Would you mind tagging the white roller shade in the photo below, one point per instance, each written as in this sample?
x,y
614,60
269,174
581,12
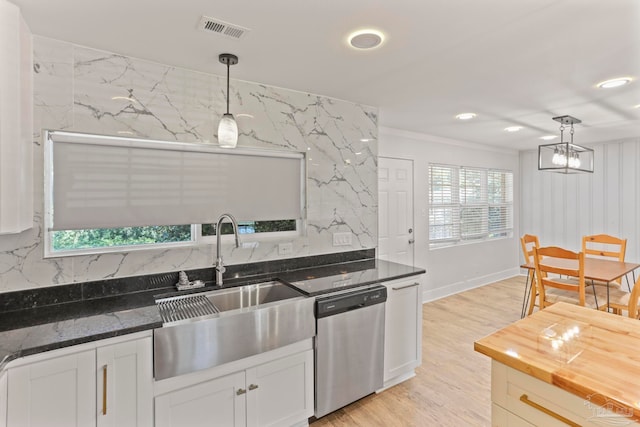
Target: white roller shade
x,y
106,182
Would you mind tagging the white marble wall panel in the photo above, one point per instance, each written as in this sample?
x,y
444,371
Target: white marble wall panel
x,y
88,90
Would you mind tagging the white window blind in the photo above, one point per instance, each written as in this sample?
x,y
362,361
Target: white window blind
x,y
105,182
467,204
500,198
444,209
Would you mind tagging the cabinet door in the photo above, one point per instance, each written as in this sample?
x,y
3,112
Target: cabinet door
x,y
220,403
280,393
55,392
403,328
125,384
3,399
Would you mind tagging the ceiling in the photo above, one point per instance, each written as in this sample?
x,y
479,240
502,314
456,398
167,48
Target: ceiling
x,y
510,62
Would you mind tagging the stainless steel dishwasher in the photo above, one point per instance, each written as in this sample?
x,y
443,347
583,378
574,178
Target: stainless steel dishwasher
x,y
349,347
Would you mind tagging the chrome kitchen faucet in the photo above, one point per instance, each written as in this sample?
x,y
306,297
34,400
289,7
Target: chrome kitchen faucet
x,y
220,269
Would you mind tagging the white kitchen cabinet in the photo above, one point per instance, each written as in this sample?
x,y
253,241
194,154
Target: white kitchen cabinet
x,y
60,387
125,399
218,402
16,121
403,329
280,393
3,399
275,393
56,392
519,400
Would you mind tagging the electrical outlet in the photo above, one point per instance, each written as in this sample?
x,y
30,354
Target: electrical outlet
x,y
342,239
285,248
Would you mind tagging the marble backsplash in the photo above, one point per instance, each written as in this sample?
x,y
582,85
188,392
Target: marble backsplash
x,y
87,90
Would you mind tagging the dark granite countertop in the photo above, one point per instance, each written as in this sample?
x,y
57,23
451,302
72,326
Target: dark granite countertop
x,y
332,278
41,327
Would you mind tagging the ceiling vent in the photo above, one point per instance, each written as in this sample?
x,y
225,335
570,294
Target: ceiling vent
x,y
223,28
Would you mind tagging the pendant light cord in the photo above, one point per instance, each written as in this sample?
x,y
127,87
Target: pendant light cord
x,y
228,66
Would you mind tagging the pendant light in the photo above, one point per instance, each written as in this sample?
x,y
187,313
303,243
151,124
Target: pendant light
x,y
565,156
227,128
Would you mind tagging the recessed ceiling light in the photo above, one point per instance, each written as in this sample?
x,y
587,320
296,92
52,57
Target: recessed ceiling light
x,y
608,84
548,137
636,106
366,39
365,139
513,128
465,116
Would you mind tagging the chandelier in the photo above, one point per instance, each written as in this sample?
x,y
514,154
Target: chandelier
x,y
565,156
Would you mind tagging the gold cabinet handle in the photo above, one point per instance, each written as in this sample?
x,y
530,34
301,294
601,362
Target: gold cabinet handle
x,y
253,386
525,399
104,390
241,391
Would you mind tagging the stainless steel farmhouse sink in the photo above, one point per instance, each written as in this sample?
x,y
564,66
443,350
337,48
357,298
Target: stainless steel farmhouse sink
x,y
251,295
211,328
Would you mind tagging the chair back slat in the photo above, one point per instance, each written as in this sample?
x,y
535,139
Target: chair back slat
x,y
604,245
559,262
528,242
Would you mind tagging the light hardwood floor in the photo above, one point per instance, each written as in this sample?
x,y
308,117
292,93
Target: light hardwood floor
x,y
452,387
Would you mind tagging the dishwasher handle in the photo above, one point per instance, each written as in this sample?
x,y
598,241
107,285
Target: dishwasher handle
x,y
336,304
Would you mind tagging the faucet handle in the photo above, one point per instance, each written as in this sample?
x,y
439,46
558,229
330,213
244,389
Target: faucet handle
x,y
221,268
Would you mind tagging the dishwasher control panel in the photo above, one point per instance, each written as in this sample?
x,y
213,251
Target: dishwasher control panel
x,y
336,304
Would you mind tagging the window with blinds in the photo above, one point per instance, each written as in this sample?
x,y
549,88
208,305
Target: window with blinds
x,y
103,191
469,204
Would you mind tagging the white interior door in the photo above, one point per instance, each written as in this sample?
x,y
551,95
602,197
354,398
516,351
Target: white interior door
x,y
395,210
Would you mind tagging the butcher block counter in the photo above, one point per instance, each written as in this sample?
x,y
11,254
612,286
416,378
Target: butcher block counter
x,y
565,365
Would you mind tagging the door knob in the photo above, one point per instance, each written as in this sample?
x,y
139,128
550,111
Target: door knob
x,y
412,241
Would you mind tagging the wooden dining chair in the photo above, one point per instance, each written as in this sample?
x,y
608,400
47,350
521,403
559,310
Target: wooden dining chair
x,y
605,246
628,302
552,287
528,242
560,277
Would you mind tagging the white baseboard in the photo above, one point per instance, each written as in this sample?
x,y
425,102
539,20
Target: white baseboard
x,y
476,282
397,380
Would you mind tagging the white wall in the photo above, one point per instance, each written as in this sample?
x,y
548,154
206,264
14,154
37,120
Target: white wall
x,y
462,267
560,208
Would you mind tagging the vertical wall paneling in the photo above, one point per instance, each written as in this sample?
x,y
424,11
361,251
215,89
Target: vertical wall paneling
x,y
584,206
571,207
628,189
599,199
612,185
561,209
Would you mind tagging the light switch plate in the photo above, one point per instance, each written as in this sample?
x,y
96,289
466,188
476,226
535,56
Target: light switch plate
x,y
285,248
342,239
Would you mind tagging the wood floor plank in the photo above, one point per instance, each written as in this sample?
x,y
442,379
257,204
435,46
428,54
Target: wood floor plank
x,y
452,387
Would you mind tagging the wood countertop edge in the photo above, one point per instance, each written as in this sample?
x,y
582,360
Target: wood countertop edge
x,y
557,375
596,397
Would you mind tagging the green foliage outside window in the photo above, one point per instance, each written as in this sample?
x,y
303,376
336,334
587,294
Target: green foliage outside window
x,y
65,240
105,237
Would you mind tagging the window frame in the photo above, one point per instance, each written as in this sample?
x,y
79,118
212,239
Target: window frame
x,y
250,240
196,238
459,204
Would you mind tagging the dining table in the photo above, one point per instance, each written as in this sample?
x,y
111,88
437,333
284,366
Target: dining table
x,y
595,269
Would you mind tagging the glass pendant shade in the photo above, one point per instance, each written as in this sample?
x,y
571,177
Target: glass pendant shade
x,y
227,131
228,128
